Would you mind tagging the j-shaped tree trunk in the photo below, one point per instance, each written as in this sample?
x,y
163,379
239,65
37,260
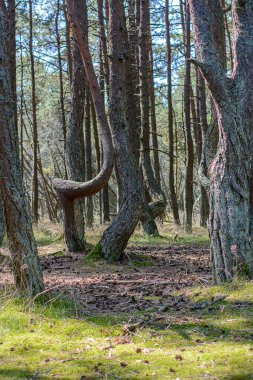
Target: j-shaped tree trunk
x,y
24,257
230,172
116,236
69,191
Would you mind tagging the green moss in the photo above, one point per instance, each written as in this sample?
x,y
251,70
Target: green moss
x,y
52,339
95,254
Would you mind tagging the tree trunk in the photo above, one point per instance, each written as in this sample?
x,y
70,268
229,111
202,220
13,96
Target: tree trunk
x,y
172,192
116,236
69,191
231,169
88,160
104,85
75,153
159,201
24,258
58,44
188,187
203,125
35,201
152,101
12,53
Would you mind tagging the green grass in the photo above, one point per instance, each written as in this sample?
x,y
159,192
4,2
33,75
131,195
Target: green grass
x,y
45,236
176,237
195,344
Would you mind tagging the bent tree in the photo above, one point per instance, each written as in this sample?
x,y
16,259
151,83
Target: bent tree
x,y
69,191
230,171
24,258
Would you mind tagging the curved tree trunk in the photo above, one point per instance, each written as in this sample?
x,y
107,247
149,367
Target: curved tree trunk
x,y
231,169
24,257
69,191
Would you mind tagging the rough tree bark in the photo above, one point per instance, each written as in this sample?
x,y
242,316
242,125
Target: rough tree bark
x,y
203,124
69,191
75,152
116,236
172,192
189,151
231,169
24,258
88,159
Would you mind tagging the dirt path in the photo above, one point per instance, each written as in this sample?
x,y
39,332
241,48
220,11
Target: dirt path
x,y
145,280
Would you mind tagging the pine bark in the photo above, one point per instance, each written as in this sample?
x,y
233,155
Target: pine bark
x,y
189,151
116,236
75,152
231,169
24,257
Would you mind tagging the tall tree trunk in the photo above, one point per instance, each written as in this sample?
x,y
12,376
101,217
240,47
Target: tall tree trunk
x,y
172,191
116,236
68,191
231,169
12,53
133,115
152,101
58,44
75,153
35,201
188,187
202,111
104,84
24,258
88,160
159,201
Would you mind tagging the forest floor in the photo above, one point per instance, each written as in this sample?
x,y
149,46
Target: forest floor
x,y
156,315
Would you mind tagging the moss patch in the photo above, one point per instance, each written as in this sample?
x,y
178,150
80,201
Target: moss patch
x,y
53,340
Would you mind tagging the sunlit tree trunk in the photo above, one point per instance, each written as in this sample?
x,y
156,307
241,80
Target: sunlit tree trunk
x,y
230,171
75,154
24,257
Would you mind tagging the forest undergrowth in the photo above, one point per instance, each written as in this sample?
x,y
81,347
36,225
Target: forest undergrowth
x,y
155,315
